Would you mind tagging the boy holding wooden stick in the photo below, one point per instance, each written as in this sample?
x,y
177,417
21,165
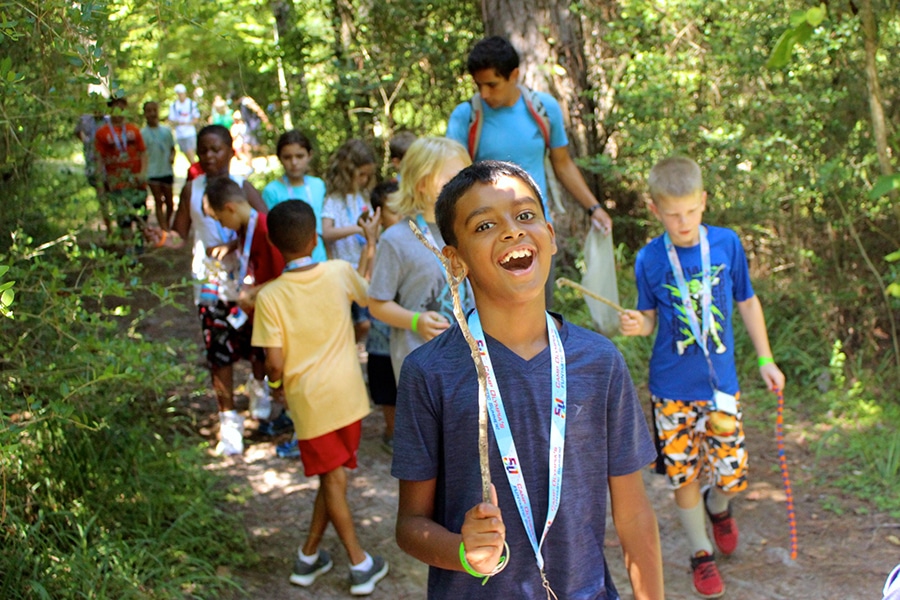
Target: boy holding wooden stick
x,y
557,395
687,280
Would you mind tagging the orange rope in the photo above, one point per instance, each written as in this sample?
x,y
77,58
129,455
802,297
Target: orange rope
x,y
782,462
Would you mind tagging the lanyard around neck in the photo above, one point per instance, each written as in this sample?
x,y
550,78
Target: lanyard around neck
x,y
304,187
298,263
248,241
121,144
700,329
507,446
426,231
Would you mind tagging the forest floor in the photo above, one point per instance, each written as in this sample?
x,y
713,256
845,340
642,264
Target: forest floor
x,y
841,556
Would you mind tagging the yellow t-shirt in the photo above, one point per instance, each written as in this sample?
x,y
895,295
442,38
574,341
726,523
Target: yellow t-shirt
x,y
307,315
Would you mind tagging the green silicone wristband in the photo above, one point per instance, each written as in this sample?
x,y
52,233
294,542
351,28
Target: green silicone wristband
x,y
465,564
415,323
766,360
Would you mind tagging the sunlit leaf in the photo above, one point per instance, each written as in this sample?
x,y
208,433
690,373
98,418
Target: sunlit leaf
x,y
884,185
798,17
816,15
781,55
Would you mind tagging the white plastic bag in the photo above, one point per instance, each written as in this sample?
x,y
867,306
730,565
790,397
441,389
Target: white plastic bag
x,y
600,278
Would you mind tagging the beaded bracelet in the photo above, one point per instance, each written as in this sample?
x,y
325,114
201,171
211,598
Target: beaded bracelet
x,y
766,360
500,565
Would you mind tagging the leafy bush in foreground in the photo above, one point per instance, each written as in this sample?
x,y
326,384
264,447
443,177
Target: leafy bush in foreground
x,y
97,500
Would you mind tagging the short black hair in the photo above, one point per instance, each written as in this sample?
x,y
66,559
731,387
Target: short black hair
x,y
292,137
379,194
222,190
217,130
292,225
493,52
486,171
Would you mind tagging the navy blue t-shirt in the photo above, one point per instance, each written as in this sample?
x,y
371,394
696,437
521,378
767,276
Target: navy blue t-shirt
x,y
436,436
678,368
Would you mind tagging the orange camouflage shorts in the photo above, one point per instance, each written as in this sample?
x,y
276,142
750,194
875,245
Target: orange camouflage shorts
x,y
690,450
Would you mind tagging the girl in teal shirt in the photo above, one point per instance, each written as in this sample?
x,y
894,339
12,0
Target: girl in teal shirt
x,y
294,152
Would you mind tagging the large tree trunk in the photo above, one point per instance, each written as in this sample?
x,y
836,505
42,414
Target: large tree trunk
x,y
563,53
551,44
876,108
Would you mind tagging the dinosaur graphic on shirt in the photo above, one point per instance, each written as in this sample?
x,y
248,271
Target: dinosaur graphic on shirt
x,y
695,287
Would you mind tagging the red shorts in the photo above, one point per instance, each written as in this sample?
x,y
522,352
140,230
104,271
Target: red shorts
x,y
327,452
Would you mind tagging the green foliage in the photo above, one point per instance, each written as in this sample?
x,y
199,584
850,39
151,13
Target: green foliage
x,y
7,294
101,496
803,23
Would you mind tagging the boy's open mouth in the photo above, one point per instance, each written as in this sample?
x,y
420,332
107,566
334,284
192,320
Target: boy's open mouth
x,y
517,260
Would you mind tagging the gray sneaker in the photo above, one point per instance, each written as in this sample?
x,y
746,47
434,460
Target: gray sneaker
x,y
363,584
305,574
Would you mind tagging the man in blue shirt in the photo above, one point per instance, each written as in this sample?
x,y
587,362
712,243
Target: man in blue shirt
x,y
510,132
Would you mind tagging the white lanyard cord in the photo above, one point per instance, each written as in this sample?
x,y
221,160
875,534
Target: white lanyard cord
x,y
506,444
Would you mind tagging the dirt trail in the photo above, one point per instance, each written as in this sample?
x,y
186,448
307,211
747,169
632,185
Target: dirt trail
x,y
841,557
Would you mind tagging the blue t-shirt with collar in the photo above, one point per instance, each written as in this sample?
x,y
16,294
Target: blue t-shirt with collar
x,y
510,133
436,436
313,193
678,368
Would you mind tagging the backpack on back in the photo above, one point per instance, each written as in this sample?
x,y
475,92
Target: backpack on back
x,y
541,118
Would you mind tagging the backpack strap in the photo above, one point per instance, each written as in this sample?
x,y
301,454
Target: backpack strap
x,y
538,112
535,109
476,121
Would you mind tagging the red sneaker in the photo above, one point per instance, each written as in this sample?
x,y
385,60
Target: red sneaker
x,y
707,581
725,529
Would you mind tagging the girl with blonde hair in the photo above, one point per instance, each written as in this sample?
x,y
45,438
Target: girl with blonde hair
x,y
408,290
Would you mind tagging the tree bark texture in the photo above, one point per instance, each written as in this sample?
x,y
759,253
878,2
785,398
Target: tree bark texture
x,y
562,52
876,108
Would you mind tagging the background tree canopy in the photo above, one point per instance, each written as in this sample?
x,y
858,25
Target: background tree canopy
x,y
790,109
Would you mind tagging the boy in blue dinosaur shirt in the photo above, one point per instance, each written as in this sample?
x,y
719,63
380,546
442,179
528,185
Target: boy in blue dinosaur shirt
x,y
687,279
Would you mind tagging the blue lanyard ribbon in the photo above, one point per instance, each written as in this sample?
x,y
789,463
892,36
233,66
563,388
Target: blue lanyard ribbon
x,y
304,187
248,241
507,446
298,263
121,144
700,329
426,231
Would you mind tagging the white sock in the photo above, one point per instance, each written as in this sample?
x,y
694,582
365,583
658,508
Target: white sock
x,y
716,501
694,522
365,565
310,559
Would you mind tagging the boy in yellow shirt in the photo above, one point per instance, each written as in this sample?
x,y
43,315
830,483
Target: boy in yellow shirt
x,y
302,319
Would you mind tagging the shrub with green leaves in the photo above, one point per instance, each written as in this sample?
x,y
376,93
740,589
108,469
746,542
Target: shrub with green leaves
x,y
101,496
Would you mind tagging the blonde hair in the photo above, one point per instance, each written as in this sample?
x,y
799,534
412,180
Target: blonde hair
x,y
424,158
675,177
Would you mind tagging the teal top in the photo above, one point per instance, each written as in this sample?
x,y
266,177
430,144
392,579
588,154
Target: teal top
x,y
312,192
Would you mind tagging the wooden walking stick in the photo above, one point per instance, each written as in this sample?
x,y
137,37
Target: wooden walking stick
x,y
562,281
454,282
